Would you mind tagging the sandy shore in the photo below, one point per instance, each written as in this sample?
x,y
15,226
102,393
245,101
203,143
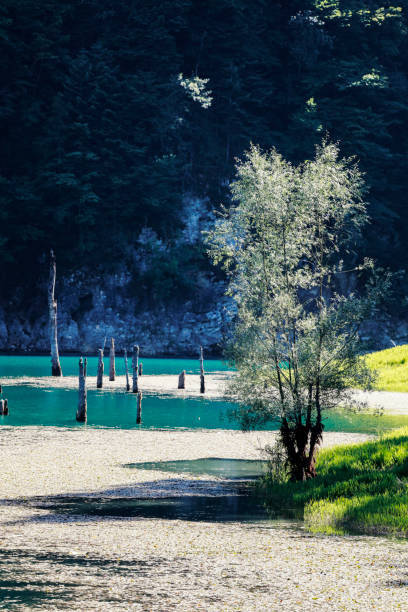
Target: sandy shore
x,y
164,384
56,561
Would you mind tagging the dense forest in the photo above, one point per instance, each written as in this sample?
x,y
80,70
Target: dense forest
x,y
121,122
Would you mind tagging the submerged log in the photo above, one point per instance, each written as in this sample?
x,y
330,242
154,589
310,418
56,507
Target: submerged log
x,y
139,408
140,369
112,372
126,371
135,369
82,408
52,312
99,378
202,380
182,380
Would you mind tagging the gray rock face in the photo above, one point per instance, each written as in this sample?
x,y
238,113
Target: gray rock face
x,y
92,310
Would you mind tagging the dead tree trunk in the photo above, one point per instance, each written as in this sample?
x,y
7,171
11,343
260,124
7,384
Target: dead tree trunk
x,y
202,380
139,408
3,407
135,369
52,311
182,380
99,378
126,371
140,369
112,372
81,412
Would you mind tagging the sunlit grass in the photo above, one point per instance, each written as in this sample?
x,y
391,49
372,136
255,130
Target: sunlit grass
x,y
359,488
392,368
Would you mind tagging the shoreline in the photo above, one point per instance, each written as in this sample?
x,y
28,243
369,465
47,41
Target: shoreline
x,y
389,402
84,560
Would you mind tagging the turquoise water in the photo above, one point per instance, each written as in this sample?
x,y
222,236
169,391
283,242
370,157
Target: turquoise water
x,y
233,469
39,406
57,407
42,406
16,365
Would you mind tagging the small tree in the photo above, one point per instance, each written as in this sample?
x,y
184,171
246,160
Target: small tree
x,y
295,344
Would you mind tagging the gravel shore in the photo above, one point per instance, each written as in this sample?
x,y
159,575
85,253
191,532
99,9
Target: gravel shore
x,y
66,561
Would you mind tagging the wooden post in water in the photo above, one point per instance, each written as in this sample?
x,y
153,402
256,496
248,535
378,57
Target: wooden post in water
x,y
126,371
202,381
182,380
81,412
3,407
99,378
112,372
139,408
140,369
135,368
52,312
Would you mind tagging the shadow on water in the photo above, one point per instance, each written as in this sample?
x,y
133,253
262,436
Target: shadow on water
x,y
230,498
235,505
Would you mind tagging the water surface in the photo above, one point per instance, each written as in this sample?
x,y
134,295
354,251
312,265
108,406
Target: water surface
x,y
13,366
57,407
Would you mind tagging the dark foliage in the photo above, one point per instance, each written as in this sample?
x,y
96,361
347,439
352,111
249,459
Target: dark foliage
x,y
100,140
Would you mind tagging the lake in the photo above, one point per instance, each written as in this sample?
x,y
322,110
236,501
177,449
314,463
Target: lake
x,y
30,405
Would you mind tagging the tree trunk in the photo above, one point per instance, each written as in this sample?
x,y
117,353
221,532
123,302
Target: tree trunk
x,y
3,407
139,408
52,311
301,443
135,369
182,380
82,408
112,372
99,378
126,371
202,380
140,369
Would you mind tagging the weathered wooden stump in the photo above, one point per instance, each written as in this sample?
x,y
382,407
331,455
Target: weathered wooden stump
x,y
99,378
126,371
139,408
202,380
82,408
3,407
52,312
182,380
135,369
140,369
112,372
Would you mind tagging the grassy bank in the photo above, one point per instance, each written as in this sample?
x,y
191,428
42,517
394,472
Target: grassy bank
x,y
392,367
359,489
